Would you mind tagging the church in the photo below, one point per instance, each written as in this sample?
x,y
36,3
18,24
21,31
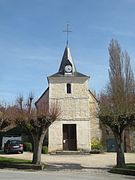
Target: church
x,y
78,122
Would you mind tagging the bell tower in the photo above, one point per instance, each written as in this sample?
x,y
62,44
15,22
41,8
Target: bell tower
x,y
78,122
70,89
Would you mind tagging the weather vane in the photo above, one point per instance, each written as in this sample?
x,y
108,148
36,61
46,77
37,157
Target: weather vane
x,y
67,31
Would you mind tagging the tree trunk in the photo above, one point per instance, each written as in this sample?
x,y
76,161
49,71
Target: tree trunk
x,y
38,142
120,150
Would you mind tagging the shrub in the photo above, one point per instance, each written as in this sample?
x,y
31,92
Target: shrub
x,y
45,150
27,146
96,144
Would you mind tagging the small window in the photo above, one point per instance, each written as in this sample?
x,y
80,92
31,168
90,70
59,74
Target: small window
x,y
68,88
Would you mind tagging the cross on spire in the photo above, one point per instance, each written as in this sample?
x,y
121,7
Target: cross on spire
x,y
67,31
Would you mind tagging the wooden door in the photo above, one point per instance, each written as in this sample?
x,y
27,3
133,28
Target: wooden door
x,y
69,137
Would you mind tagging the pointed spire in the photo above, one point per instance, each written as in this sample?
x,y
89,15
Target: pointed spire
x,y
67,66
67,60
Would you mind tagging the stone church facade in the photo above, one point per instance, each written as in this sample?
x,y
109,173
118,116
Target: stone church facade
x,y
78,123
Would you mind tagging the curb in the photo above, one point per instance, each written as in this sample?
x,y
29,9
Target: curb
x,y
23,166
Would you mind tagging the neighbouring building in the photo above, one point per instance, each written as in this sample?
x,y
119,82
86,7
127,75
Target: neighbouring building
x,y
78,122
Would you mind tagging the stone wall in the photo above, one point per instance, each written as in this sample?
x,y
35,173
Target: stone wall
x,y
74,108
56,135
74,105
94,120
57,87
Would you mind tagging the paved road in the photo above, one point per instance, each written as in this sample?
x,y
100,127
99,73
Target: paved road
x,y
61,175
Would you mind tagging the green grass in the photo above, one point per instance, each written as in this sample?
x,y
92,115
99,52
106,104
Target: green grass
x,y
5,160
19,164
130,166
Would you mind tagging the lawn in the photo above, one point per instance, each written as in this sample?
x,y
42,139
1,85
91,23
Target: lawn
x,y
4,160
130,166
19,164
128,170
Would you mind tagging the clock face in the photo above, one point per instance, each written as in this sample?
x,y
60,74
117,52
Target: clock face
x,y
68,68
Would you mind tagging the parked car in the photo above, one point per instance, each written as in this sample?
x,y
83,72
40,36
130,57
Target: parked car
x,y
15,146
5,138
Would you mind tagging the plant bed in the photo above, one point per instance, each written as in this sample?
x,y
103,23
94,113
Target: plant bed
x,y
95,151
96,146
19,164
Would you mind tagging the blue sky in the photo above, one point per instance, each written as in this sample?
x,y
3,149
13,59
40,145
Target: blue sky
x,y
32,42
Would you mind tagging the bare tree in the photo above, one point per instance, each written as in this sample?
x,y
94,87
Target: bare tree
x,y
117,103
7,121
36,123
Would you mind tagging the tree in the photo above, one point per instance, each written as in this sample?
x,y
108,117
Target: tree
x,y
36,123
117,102
7,118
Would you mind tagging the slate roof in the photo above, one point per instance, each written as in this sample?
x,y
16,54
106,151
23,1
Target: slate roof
x,y
42,96
76,74
67,59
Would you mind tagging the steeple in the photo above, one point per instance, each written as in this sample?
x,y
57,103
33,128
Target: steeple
x,y
67,66
67,60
